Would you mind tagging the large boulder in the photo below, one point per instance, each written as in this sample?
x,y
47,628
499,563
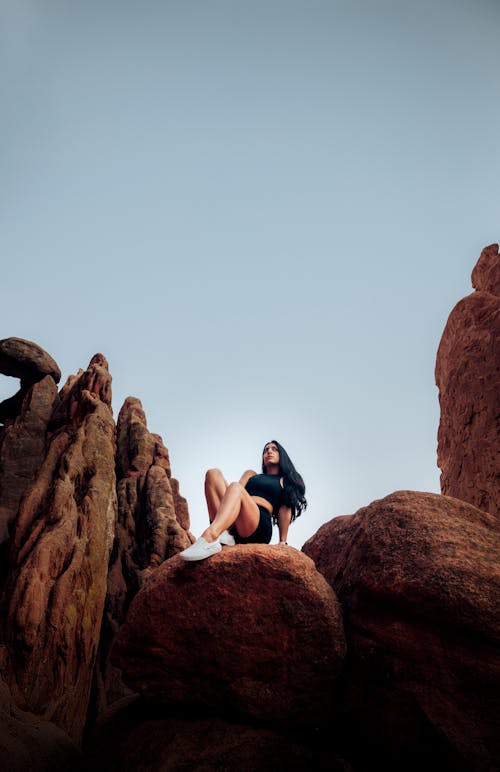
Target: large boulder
x,y
27,361
418,578
60,547
254,630
467,375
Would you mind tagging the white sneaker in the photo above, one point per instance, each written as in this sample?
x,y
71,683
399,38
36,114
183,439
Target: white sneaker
x,y
201,549
227,539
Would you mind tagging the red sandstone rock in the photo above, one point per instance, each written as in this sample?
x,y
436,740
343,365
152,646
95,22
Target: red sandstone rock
x,y
254,629
95,380
181,515
147,517
60,550
149,502
22,449
153,525
138,736
418,578
467,375
26,360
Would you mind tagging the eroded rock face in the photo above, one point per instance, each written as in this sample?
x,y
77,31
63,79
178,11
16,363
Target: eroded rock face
x,y
152,526
153,519
467,375
29,362
418,578
22,449
60,550
254,629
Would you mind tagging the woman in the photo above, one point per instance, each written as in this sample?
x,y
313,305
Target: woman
x,y
249,507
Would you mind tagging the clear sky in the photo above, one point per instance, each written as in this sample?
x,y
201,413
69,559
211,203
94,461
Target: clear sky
x,y
261,213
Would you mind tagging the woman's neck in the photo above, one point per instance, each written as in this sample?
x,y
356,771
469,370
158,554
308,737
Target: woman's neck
x,y
272,469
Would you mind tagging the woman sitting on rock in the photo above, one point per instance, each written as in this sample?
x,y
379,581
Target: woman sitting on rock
x,y
243,512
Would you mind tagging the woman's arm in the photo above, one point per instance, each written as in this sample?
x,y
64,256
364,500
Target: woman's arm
x,y
246,476
284,519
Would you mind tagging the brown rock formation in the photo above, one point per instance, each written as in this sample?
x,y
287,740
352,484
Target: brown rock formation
x,y
153,525
138,735
22,449
27,361
418,578
60,549
153,528
255,630
467,375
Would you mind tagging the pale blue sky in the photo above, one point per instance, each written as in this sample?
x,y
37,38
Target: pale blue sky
x,y
262,214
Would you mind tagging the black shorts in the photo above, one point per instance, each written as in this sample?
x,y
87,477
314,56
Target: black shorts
x,y
261,535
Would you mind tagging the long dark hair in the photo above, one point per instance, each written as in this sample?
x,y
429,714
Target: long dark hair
x,y
293,484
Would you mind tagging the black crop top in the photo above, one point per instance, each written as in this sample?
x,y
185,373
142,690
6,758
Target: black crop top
x,y
268,486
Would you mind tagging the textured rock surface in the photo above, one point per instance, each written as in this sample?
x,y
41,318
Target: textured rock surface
x,y
30,743
26,360
22,449
254,629
138,736
418,578
153,525
467,375
149,523
60,549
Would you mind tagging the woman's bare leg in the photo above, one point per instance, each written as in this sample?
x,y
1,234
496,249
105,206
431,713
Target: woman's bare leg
x,y
238,507
215,488
284,520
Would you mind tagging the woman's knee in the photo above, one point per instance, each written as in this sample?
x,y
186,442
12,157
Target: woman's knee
x,y
213,476
236,487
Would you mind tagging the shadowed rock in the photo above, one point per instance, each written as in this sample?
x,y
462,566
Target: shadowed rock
x,y
22,449
30,743
468,378
30,363
151,528
60,549
418,578
26,360
135,735
254,630
12,406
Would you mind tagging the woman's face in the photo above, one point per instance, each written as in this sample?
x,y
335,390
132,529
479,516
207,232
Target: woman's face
x,y
271,454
